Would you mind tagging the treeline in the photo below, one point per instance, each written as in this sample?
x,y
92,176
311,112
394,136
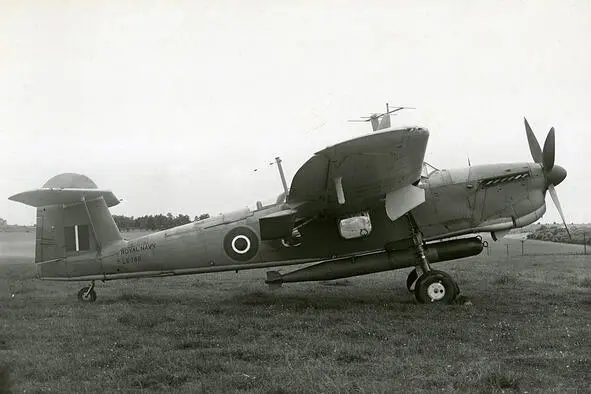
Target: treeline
x,y
150,222
557,233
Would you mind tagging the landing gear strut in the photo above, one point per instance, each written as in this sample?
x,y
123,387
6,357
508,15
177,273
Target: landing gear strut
x,y
431,286
87,294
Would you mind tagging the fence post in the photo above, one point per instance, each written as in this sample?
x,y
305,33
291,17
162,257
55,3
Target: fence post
x,y
507,249
584,243
522,242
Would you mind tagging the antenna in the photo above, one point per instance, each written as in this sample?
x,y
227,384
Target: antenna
x,y
380,121
281,174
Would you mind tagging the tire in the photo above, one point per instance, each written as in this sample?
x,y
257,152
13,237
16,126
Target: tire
x,y
433,287
413,276
449,276
83,297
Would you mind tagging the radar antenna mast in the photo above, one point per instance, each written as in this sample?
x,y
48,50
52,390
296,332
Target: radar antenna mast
x,y
281,174
380,121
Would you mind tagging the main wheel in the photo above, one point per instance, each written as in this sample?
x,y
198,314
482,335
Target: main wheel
x,y
435,287
413,276
448,276
86,296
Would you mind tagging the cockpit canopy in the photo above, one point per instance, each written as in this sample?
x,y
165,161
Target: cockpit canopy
x,y
428,169
269,202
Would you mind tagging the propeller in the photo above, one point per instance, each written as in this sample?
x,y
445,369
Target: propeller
x,y
534,146
553,174
554,196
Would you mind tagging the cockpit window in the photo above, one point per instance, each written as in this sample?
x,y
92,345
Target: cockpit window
x,y
269,202
428,169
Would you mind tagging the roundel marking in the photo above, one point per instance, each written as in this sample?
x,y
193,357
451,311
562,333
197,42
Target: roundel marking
x,y
241,243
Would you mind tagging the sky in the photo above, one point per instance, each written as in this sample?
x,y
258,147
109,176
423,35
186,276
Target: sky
x,y
173,104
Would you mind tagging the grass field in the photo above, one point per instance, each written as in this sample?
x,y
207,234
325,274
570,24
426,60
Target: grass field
x,y
527,328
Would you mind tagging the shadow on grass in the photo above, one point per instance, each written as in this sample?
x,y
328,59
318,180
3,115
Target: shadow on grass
x,y
5,383
585,282
159,380
506,279
322,301
143,319
502,381
143,299
343,282
348,356
487,378
197,343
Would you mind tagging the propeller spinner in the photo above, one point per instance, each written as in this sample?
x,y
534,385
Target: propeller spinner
x,y
553,174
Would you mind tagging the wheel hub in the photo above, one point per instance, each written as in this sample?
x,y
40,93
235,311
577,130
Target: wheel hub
x,y
436,291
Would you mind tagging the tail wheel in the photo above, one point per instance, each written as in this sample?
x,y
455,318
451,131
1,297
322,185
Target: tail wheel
x,y
435,287
87,294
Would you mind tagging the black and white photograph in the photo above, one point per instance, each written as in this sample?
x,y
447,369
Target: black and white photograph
x,y
295,196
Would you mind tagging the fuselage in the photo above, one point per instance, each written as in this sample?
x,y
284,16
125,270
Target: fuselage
x,y
486,198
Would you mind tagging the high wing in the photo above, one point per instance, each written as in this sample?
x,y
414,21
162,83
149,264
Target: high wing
x,y
355,174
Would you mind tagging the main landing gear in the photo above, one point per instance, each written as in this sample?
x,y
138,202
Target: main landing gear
x,y
87,294
431,286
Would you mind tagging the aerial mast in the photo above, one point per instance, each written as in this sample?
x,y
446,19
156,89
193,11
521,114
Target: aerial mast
x,y
380,121
281,174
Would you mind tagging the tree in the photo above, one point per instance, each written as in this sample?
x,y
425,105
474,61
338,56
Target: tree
x,y
3,222
151,222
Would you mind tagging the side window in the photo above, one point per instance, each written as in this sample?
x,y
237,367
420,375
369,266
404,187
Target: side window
x,y
77,238
355,226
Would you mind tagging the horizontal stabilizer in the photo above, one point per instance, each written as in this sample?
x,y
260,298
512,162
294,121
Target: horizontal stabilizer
x,y
63,196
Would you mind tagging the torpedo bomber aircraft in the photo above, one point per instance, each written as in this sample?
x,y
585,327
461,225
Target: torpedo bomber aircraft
x,y
366,205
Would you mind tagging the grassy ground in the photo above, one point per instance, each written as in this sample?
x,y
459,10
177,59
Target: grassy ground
x,y
527,330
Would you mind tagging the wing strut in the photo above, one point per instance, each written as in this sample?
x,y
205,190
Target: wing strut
x,y
96,238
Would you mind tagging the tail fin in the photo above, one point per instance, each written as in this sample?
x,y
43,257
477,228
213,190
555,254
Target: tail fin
x,y
72,217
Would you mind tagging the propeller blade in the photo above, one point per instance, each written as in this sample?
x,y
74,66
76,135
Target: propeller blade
x,y
554,196
549,151
534,145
